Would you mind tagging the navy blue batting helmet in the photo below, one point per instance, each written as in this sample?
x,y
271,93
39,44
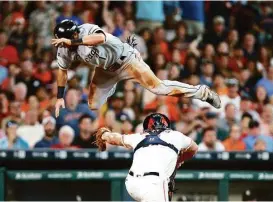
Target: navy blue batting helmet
x,y
66,29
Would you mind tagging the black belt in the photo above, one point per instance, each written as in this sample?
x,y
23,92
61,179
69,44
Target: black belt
x,y
145,174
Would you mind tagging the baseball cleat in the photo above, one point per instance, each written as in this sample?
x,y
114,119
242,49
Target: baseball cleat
x,y
213,99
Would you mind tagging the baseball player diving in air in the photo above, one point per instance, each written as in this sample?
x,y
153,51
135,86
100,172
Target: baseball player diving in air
x,y
110,61
158,153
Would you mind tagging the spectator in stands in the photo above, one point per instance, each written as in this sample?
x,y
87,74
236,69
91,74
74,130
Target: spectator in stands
x,y
8,81
208,52
237,62
260,99
73,110
189,124
260,145
245,120
126,124
114,21
20,92
232,95
267,82
11,140
210,120
246,106
210,142
173,71
41,22
206,77
31,104
32,131
218,34
219,84
160,44
85,139
42,72
130,103
15,114
66,136
111,122
43,97
191,66
26,77
67,13
181,35
234,142
232,39
222,48
229,119
50,138
267,119
254,135
8,53
249,46
117,103
264,58
18,34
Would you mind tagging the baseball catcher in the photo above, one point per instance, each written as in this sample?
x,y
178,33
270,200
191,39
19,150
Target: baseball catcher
x,y
158,152
110,61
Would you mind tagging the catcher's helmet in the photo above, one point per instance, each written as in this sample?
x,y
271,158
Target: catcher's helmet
x,y
66,29
156,121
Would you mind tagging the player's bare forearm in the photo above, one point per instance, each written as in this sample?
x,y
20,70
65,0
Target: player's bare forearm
x,y
114,139
62,77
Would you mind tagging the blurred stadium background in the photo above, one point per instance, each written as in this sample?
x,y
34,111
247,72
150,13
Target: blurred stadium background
x,y
226,45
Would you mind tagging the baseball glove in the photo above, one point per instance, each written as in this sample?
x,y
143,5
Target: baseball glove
x,y
101,144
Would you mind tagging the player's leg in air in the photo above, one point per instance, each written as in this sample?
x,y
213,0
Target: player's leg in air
x,y
141,73
102,87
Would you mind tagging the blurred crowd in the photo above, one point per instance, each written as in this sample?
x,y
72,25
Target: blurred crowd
x,y
226,45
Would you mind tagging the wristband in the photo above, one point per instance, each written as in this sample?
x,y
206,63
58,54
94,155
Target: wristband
x,y
75,42
60,93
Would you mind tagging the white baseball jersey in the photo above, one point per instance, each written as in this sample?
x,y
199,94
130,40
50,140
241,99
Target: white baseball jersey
x,y
157,158
102,55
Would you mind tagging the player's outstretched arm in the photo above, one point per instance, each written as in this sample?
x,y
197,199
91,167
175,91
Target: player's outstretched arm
x,y
88,40
61,82
114,139
104,135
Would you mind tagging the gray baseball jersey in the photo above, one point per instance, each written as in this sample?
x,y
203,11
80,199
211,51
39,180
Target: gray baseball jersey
x,y
103,55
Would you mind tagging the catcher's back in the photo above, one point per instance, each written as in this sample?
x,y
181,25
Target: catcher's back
x,y
157,158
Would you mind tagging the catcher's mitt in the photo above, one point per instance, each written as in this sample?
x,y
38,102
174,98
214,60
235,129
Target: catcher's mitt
x,y
101,144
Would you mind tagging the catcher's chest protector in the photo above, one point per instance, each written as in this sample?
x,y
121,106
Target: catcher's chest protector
x,y
153,139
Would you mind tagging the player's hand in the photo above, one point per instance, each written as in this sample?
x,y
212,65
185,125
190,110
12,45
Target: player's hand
x,y
58,105
61,42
